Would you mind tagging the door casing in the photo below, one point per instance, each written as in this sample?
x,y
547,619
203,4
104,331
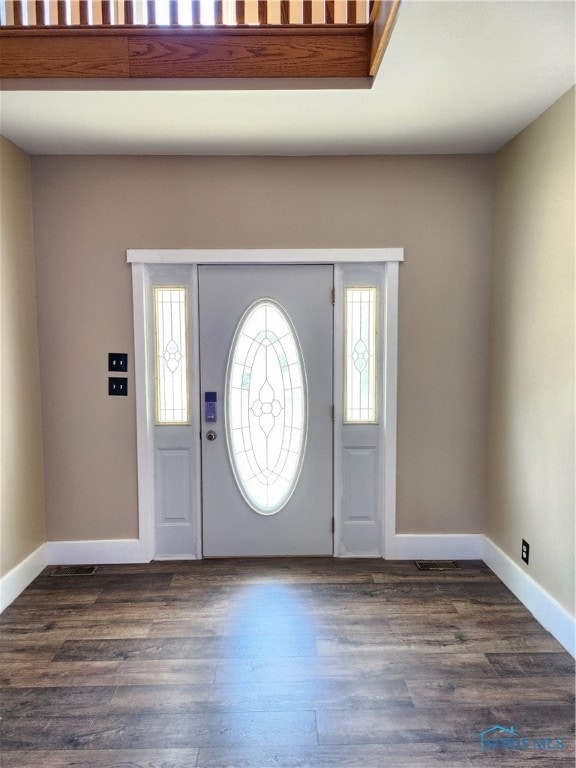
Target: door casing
x,y
345,261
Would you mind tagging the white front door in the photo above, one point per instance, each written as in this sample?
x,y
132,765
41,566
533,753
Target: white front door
x,y
266,383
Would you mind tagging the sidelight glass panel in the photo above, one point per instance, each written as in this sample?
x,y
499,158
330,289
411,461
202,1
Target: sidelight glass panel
x,y
360,359
266,407
171,354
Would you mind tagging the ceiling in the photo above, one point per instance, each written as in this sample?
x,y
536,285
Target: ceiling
x,y
458,77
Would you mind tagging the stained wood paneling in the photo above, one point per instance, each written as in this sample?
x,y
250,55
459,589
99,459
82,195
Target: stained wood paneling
x,y
230,54
159,53
63,56
383,16
296,38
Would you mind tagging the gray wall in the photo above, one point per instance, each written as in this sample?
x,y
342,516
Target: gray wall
x,y
89,210
22,482
531,471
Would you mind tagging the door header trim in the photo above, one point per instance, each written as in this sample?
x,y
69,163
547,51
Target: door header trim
x,y
262,255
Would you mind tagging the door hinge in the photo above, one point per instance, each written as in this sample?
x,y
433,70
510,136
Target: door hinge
x,y
333,295
333,525
333,412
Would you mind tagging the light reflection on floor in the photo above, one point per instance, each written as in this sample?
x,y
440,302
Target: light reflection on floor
x,y
270,621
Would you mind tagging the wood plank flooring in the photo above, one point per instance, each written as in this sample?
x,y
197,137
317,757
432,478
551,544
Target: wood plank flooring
x,y
279,663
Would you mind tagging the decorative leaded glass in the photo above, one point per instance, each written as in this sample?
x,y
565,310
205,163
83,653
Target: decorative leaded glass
x,y
360,359
171,355
266,407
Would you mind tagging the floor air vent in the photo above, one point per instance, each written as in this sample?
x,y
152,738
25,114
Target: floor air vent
x,y
73,570
435,565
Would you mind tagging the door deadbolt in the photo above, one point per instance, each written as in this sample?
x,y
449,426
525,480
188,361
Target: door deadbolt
x,y
211,435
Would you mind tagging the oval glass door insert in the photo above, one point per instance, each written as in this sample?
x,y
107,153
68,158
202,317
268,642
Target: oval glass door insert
x,y
266,407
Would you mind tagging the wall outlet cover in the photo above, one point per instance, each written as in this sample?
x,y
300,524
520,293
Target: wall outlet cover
x,y
525,551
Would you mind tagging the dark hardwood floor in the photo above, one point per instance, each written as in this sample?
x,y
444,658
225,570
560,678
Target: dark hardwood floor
x,y
280,663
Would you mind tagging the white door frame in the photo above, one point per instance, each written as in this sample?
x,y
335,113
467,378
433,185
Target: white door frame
x,y
388,258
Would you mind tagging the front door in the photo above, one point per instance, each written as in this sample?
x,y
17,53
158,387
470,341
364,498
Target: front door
x,y
266,376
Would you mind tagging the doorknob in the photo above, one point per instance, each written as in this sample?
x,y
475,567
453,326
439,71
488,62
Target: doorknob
x,y
211,435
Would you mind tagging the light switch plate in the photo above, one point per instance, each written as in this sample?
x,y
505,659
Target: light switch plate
x,y
118,361
118,385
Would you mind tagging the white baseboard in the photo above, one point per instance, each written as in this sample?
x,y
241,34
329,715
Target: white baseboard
x,y
553,617
403,547
548,611
456,546
104,552
16,580
358,555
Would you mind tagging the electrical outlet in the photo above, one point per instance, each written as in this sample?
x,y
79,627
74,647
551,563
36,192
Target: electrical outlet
x,y
525,551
